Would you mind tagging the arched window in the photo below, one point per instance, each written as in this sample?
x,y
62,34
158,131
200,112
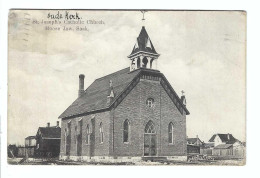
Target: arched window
x,y
149,128
170,132
150,102
75,135
65,135
138,62
150,139
126,131
101,132
88,135
145,61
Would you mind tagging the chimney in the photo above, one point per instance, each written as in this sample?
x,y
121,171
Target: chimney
x,y
58,123
228,136
48,124
81,85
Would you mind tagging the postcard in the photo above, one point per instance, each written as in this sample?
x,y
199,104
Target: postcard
x,y
126,87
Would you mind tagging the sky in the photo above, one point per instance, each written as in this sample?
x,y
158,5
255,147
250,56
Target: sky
x,y
201,52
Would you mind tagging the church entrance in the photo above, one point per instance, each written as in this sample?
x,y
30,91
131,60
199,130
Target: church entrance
x,y
149,139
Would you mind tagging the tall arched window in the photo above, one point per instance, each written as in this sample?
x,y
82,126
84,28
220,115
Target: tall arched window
x,y
75,135
126,131
101,133
170,131
149,128
150,139
88,135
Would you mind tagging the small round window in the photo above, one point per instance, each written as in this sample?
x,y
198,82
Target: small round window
x,y
150,102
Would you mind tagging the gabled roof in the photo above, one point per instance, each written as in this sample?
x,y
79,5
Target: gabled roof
x,y
223,146
50,132
95,96
224,138
143,43
208,145
193,140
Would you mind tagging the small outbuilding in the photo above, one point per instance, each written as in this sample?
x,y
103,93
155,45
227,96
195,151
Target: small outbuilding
x,y
223,150
48,141
30,144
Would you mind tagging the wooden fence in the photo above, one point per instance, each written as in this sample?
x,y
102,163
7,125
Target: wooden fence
x,y
236,152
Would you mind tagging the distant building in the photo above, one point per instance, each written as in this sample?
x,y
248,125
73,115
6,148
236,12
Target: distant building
x,y
30,144
208,145
223,150
227,145
48,141
194,145
194,141
219,139
12,151
21,151
30,141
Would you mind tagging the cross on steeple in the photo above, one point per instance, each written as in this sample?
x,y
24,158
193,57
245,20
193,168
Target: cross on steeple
x,y
143,12
182,92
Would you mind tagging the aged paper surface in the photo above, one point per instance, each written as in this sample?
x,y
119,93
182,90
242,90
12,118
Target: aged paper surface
x,y
159,87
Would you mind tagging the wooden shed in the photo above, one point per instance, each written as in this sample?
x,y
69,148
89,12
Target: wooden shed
x,y
223,150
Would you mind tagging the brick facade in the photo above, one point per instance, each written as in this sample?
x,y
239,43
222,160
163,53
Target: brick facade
x,y
134,108
94,148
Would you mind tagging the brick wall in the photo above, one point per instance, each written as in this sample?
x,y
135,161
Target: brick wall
x,y
99,149
134,108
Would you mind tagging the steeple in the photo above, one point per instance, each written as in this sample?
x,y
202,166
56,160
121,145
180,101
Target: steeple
x,y
143,54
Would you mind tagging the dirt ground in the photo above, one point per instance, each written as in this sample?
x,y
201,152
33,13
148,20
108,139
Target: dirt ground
x,y
234,162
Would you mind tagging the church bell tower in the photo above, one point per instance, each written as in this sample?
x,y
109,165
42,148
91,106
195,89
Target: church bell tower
x,y
143,54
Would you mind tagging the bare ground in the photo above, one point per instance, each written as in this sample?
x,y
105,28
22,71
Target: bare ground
x,y
233,162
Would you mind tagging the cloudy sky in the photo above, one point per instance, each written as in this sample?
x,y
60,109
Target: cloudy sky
x,y
202,53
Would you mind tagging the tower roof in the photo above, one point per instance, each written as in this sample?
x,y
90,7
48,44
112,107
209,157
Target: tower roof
x,y
143,43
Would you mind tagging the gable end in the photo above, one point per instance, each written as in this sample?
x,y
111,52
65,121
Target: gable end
x,y
156,76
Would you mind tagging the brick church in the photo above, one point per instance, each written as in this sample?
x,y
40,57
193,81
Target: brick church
x,y
131,114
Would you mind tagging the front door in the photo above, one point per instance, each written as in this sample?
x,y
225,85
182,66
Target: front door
x,y
150,140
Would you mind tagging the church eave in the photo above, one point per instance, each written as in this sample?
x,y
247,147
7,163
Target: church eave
x,y
86,113
179,100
